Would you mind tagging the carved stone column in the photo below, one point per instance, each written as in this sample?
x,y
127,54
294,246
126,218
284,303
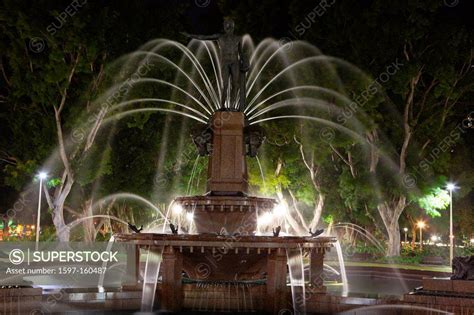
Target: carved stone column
x,y
276,297
171,267
316,265
227,171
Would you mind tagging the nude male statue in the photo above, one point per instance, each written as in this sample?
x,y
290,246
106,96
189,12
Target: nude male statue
x,y
232,60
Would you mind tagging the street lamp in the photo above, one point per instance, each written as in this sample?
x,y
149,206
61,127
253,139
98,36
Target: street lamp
x,y
406,231
451,187
421,225
41,176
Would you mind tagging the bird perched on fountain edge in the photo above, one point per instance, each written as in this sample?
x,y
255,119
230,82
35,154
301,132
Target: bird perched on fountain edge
x,y
134,228
316,233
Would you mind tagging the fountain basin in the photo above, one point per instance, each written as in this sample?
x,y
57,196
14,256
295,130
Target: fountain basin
x,y
232,258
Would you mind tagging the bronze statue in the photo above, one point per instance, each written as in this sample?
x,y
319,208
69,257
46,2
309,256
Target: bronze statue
x,y
232,62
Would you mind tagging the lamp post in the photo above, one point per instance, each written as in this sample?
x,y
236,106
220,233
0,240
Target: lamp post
x,y
451,187
406,231
41,176
421,225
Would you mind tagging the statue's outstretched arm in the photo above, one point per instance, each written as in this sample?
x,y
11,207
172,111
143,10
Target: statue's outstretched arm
x,y
202,37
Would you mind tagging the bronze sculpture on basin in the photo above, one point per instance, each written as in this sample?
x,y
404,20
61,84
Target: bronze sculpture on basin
x,y
225,248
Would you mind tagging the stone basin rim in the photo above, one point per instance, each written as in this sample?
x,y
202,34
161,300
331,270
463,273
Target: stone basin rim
x,y
250,241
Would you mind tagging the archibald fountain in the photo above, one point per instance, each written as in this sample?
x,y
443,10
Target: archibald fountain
x,y
216,252
224,258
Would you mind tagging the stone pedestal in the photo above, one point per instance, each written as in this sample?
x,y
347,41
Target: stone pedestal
x,y
227,171
171,268
276,295
316,265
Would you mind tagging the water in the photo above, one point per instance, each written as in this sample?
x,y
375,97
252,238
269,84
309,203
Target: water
x,y
100,285
363,233
297,281
150,279
340,257
395,309
218,296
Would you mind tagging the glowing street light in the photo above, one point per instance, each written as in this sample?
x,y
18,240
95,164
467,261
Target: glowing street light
x,y
41,176
451,187
421,225
406,231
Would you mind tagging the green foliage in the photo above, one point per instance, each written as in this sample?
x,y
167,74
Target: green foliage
x,y
17,175
437,199
53,182
328,219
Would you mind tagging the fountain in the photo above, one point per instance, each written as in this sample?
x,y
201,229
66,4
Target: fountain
x,y
225,263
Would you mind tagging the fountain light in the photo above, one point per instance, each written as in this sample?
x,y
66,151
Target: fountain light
x,y
280,210
190,216
177,209
265,219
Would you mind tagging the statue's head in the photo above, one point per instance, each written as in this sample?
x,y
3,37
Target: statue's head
x,y
228,26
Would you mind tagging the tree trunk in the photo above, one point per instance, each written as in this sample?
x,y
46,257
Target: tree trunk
x,y
313,172
390,213
318,210
62,229
88,224
393,239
